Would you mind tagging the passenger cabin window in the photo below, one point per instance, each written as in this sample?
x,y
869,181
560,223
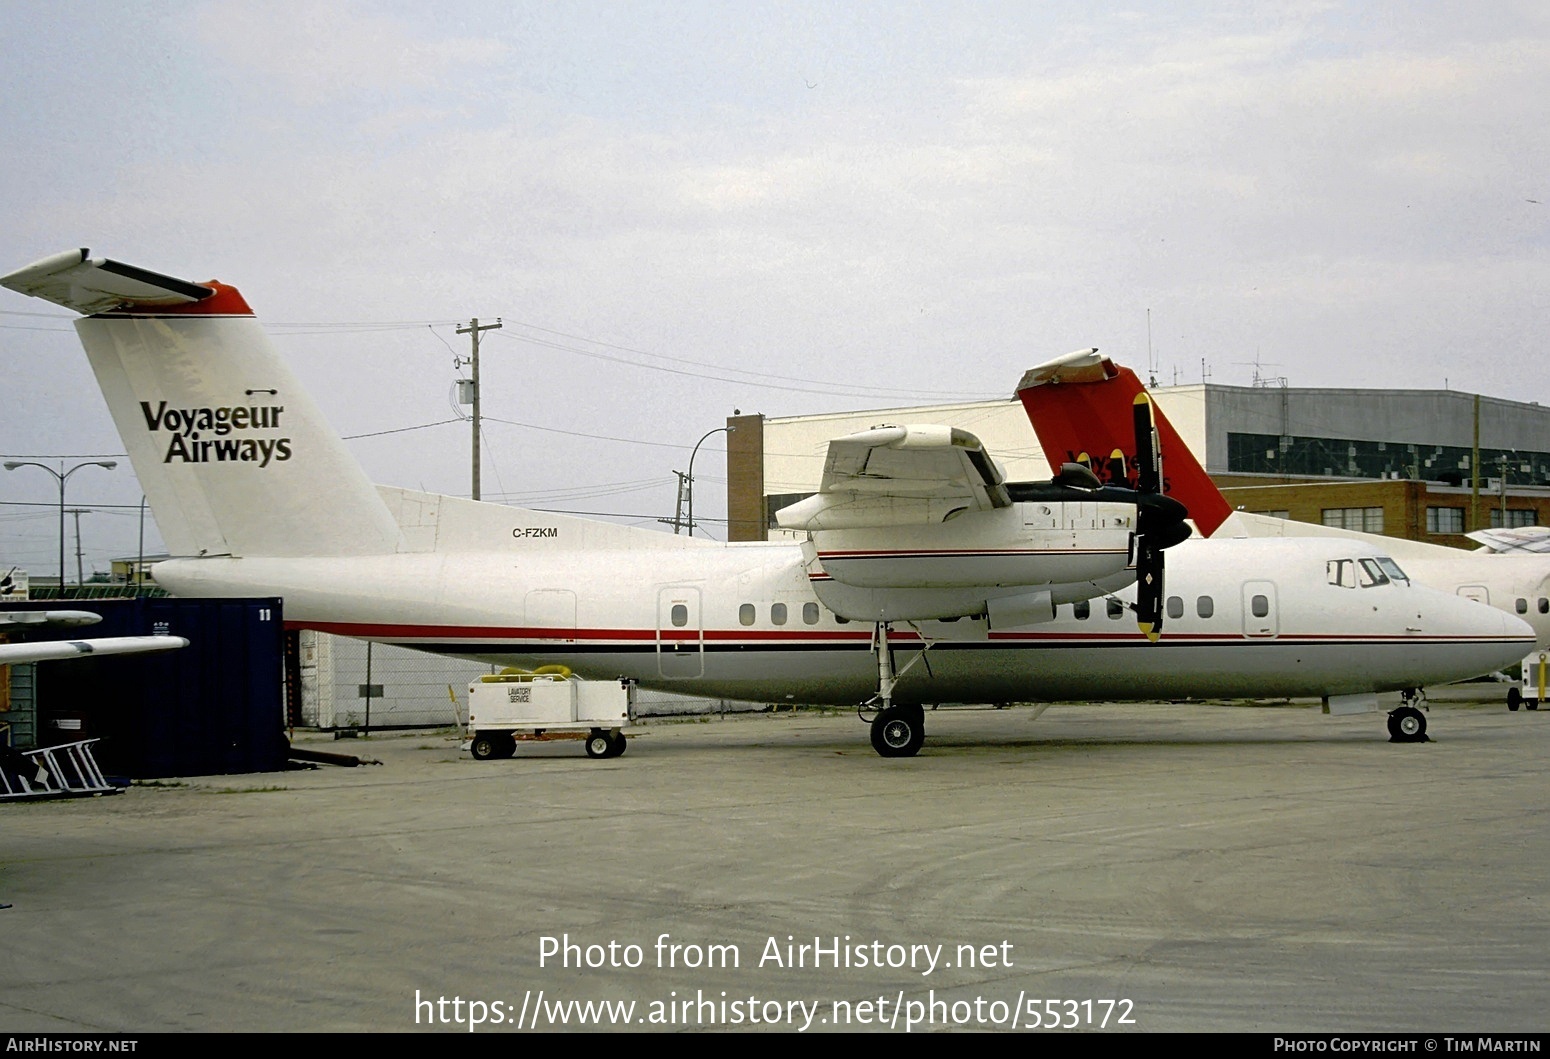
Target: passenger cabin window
x,y
1204,607
1081,610
746,613
1116,609
1522,605
1544,605
680,615
1175,606
810,613
778,613
1259,606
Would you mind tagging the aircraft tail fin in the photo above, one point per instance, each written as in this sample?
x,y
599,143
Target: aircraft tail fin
x,y
1082,407
234,456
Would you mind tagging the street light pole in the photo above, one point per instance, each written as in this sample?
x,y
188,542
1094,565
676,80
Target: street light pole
x,y
690,477
61,476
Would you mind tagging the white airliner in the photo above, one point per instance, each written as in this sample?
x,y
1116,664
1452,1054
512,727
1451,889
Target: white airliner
x,y
1080,407
995,579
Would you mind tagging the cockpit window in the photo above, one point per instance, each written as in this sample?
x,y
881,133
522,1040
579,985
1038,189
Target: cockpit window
x,y
1390,567
1341,572
1372,574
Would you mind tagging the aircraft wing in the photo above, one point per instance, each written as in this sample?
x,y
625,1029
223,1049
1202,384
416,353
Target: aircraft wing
x,y
14,653
48,617
897,476
1514,539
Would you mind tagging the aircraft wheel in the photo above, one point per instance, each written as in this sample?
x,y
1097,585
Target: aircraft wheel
x,y
1407,725
899,731
616,744
485,745
599,744
1514,700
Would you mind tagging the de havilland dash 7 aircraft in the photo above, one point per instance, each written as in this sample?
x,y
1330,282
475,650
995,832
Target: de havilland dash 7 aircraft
x,y
1004,592
1080,406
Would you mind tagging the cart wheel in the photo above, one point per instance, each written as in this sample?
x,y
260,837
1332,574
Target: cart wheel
x,y
485,745
599,744
616,743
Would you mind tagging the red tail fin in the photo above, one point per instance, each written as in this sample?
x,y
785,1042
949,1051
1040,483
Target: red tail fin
x,y
1082,408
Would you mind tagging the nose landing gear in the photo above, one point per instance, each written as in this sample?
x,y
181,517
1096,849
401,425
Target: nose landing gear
x,y
1407,724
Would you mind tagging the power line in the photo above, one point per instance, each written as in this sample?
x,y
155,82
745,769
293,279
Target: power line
x,y
718,373
398,430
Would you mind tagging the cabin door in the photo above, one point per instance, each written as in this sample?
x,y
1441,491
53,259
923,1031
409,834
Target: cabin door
x,y
680,635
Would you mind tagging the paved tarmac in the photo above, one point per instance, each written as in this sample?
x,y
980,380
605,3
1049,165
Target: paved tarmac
x,y
1180,867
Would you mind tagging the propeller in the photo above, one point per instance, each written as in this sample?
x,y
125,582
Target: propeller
x,y
1159,518
1159,521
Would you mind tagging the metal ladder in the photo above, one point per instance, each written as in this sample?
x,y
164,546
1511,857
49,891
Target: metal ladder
x,y
68,770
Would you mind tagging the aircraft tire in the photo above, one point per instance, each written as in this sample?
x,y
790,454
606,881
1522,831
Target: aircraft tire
x,y
1514,700
599,744
485,746
1407,725
899,731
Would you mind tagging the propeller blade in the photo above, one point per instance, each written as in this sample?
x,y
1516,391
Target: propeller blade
x,y
1148,458
1149,588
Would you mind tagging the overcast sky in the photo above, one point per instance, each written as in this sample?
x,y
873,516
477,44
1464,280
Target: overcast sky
x,y
681,209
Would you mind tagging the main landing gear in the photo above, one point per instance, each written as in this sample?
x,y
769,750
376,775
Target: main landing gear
x,y
897,731
1407,724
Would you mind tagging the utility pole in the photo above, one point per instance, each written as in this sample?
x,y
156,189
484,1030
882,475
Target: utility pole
x,y
1474,472
473,329
677,521
1501,469
80,578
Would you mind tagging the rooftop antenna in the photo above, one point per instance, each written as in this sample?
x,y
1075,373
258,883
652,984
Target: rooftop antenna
x,y
1260,379
1151,361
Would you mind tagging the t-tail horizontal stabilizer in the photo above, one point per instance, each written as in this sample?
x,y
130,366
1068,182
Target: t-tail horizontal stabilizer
x,y
234,456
